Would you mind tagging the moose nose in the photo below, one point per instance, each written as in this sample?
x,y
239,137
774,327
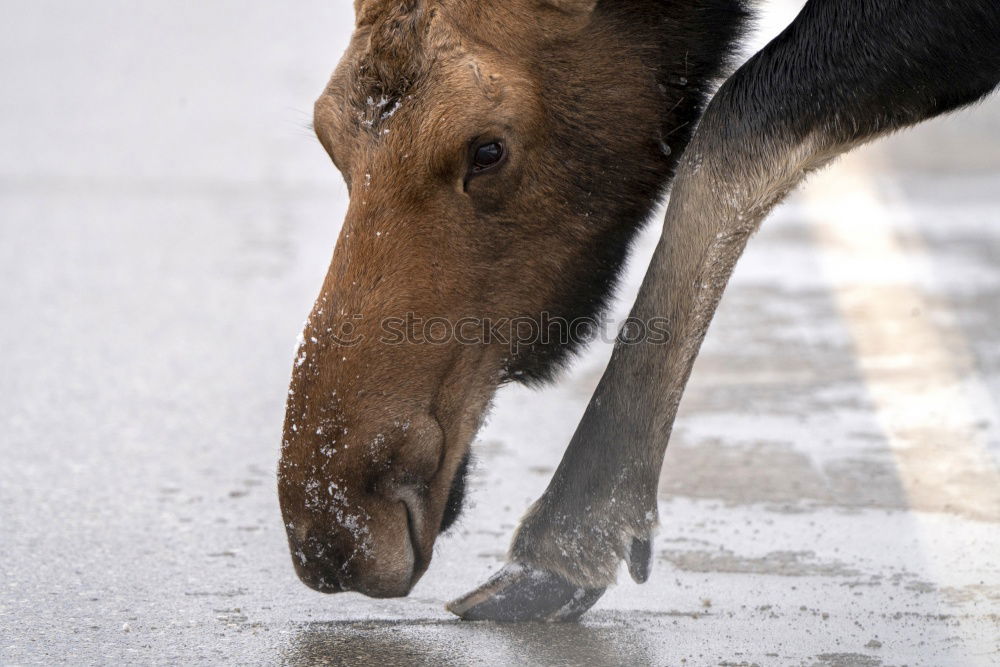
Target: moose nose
x,y
319,578
377,560
316,568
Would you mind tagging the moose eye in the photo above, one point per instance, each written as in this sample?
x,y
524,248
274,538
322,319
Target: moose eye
x,y
487,156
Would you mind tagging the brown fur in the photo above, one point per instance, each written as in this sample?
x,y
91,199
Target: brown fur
x,y
584,101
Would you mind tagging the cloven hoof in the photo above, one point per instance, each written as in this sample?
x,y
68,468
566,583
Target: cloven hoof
x,y
523,593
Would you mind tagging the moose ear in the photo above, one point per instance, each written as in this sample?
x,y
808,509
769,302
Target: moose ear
x,y
572,7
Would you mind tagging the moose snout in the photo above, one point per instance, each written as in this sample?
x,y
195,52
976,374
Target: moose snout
x,y
316,571
372,557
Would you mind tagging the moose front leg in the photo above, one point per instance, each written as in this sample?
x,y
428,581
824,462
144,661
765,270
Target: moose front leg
x,y
600,507
842,73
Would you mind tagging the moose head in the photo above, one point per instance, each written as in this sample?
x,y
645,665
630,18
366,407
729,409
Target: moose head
x,y
499,155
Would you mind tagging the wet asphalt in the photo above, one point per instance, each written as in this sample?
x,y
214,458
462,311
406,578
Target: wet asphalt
x,y
831,495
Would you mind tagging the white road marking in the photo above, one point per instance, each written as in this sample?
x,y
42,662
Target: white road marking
x,y
930,404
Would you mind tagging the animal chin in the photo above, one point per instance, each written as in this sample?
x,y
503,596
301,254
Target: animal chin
x,y
456,496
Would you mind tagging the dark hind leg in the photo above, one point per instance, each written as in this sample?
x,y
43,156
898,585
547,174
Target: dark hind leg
x,y
844,72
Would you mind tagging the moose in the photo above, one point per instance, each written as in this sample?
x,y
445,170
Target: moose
x,y
500,156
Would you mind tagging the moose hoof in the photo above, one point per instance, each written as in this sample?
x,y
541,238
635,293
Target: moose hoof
x,y
522,593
